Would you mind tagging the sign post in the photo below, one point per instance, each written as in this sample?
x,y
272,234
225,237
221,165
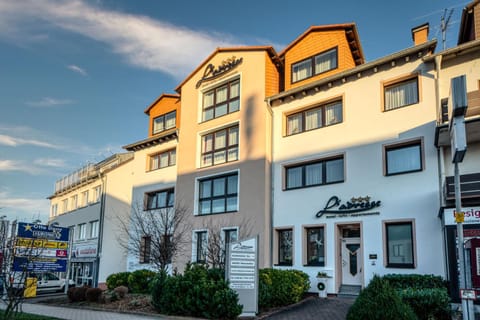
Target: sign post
x,y
242,273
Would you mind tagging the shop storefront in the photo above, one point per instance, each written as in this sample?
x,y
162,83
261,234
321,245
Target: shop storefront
x,y
83,266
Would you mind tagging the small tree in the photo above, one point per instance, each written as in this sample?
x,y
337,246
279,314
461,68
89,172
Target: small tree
x,y
154,236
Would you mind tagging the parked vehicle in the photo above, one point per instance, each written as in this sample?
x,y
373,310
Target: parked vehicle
x,y
46,282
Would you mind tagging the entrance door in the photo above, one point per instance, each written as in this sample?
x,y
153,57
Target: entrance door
x,y
352,263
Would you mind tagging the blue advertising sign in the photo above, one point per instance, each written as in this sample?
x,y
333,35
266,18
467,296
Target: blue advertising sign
x,y
39,265
41,231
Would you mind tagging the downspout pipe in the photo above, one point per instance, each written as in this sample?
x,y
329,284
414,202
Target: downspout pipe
x,y
272,178
103,179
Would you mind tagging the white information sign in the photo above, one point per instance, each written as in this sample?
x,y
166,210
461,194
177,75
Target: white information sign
x,y
242,273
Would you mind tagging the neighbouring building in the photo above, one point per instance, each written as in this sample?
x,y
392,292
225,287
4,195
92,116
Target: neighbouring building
x,y
90,201
462,60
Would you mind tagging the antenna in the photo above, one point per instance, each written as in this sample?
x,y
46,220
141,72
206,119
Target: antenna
x,y
444,26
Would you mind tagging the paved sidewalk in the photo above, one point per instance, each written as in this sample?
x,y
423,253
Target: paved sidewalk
x,y
315,308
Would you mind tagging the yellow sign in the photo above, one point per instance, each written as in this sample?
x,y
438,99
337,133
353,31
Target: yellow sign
x,y
38,243
459,217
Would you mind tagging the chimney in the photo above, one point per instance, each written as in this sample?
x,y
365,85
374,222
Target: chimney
x,y
420,34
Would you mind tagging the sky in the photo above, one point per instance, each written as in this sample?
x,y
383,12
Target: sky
x,y
76,76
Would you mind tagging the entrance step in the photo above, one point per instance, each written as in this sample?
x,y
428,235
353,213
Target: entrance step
x,y
349,291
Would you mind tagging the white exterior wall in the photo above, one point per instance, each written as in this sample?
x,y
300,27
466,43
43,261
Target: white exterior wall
x,y
147,181
360,138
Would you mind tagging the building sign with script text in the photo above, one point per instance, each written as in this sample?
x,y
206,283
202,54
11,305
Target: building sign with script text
x,y
360,206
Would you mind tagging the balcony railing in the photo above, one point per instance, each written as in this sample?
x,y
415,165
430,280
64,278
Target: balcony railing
x,y
469,186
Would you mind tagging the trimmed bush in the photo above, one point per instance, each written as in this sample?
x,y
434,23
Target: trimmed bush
x,y
139,280
77,294
416,281
429,303
121,291
93,294
199,292
281,287
379,301
117,279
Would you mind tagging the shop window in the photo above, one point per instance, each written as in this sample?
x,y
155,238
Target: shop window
x,y
314,118
218,194
145,249
399,246
401,94
315,242
163,159
315,65
285,247
403,158
220,146
164,122
221,100
160,199
320,172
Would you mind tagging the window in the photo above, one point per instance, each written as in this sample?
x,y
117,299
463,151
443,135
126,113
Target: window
x,y
399,245
221,101
285,247
200,247
74,202
94,229
315,246
160,199
97,192
65,205
164,122
82,231
403,158
316,173
54,210
85,198
145,249
163,159
218,194
220,146
401,94
320,116
315,65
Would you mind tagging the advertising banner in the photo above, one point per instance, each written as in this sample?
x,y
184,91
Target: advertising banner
x,y
41,231
39,264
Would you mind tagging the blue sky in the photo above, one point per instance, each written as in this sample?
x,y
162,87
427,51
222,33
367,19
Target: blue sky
x,y
75,76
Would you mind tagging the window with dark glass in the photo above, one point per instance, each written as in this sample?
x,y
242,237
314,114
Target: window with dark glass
x,y
163,159
220,146
218,194
317,64
315,246
160,199
316,173
314,118
164,122
285,247
221,100
403,158
201,246
399,245
401,94
145,248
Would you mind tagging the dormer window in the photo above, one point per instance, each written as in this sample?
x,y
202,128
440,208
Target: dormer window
x,y
315,65
164,122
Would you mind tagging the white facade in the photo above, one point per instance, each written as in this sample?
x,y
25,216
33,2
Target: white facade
x,y
361,139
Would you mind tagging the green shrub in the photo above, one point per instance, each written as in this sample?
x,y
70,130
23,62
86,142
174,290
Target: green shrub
x,y
281,287
379,301
93,294
417,281
117,279
139,280
199,292
429,303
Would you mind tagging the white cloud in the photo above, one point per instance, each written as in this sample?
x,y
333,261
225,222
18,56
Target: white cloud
x,y
11,141
49,102
50,162
23,208
77,69
141,40
18,166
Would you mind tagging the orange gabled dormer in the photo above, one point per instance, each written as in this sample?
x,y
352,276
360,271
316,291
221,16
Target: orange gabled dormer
x,y
164,114
319,52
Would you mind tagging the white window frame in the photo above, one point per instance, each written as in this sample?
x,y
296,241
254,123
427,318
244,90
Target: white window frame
x,y
82,231
97,191
85,195
94,225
